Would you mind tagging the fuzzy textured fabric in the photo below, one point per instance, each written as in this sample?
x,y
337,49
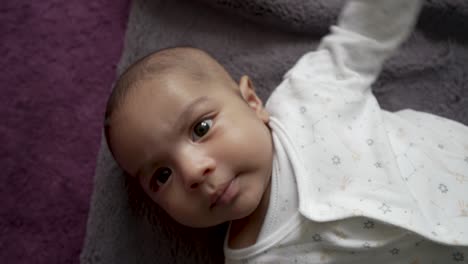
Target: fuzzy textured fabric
x,y
58,61
264,39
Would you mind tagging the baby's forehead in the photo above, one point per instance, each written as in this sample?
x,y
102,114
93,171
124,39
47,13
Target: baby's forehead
x,y
166,112
186,83
169,96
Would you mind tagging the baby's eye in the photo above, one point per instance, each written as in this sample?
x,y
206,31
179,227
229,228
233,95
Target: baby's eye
x,y
160,176
201,128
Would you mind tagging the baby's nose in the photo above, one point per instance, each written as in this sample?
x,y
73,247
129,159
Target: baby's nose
x,y
196,168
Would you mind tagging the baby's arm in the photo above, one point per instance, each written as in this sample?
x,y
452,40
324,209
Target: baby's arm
x,y
368,32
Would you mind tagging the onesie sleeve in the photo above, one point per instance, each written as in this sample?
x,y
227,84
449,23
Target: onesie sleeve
x,y
367,33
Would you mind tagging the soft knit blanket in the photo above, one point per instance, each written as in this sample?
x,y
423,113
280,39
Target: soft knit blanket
x,y
263,39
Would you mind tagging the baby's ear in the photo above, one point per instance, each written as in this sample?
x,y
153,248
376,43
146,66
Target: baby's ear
x,y
248,93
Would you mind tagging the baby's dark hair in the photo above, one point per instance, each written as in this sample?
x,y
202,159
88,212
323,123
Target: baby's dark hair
x,y
159,65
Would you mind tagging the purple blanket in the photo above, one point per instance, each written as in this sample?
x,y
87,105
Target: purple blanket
x,y
57,61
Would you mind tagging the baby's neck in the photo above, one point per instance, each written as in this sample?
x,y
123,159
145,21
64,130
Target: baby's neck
x,y
244,232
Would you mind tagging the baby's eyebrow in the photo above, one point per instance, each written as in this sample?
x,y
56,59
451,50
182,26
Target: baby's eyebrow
x,y
185,114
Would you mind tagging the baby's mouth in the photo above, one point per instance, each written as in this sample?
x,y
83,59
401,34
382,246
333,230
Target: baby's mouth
x,y
217,196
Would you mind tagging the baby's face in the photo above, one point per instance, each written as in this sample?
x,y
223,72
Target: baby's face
x,y
201,151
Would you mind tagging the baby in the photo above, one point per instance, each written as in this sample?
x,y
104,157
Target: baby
x,y
321,174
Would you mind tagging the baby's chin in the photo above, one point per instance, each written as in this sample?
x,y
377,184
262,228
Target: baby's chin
x,y
244,205
246,208
239,211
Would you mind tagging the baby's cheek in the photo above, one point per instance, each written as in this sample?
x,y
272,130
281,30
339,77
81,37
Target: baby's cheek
x,y
163,200
178,203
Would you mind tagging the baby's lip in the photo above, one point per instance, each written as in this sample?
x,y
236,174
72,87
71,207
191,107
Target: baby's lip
x,y
219,191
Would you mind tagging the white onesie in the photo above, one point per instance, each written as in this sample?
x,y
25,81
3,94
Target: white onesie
x,y
353,183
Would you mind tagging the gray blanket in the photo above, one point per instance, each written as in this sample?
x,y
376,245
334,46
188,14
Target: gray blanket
x,y
263,39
